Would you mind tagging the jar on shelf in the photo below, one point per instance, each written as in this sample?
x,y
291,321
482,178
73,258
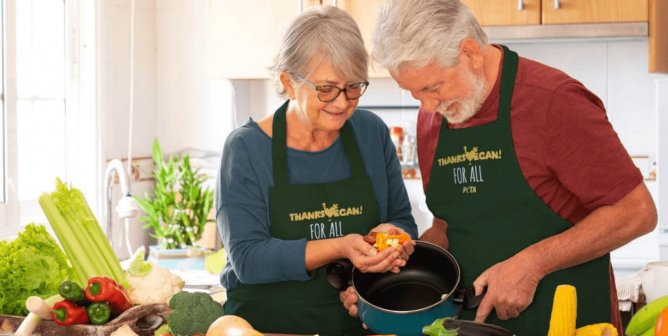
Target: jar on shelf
x,y
409,151
397,135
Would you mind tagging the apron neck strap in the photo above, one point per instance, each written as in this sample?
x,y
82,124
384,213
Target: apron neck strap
x,y
510,60
279,144
279,148
352,151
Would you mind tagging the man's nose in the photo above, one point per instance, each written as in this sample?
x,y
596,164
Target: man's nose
x,y
429,105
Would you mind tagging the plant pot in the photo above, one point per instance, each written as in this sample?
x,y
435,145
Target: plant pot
x,y
191,257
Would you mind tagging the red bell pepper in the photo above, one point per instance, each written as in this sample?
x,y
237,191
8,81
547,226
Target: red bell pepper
x,y
104,289
661,326
67,313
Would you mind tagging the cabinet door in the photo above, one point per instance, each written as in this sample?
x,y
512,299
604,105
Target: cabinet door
x,y
505,12
365,13
594,11
244,38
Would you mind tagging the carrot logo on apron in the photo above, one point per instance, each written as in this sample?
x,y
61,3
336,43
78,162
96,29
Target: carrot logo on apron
x,y
464,172
328,228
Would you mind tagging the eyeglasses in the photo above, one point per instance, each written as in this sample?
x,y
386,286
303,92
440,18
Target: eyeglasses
x,y
328,93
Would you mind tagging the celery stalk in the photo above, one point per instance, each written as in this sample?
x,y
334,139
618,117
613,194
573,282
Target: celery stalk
x,y
87,242
65,236
89,253
95,230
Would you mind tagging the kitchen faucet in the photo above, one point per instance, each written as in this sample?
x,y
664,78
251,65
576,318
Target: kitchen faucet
x,y
127,206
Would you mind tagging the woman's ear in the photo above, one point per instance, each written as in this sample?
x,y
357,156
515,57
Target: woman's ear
x,y
470,50
286,81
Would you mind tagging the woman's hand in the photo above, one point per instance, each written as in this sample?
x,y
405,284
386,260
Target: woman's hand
x,y
366,258
405,249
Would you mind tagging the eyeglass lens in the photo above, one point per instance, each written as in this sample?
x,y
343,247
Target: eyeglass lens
x,y
328,93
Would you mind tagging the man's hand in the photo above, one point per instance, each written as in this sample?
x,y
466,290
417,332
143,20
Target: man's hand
x,y
511,285
349,299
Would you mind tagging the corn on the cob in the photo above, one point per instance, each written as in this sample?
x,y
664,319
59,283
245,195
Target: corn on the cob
x,y
597,329
564,311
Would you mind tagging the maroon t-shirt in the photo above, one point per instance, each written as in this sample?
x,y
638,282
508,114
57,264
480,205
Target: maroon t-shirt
x,y
567,149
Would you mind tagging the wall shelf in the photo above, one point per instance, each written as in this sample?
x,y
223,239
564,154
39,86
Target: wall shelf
x,y
388,107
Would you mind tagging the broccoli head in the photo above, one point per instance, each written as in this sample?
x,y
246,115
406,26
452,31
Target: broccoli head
x,y
192,313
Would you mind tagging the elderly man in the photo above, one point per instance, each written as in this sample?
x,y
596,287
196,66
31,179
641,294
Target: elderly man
x,y
531,184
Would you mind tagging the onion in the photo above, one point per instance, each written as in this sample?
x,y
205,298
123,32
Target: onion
x,y
231,325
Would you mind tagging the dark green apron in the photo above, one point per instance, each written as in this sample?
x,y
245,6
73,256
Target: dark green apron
x,y
311,211
477,186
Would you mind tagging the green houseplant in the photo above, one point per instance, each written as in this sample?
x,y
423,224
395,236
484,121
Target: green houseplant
x,y
180,205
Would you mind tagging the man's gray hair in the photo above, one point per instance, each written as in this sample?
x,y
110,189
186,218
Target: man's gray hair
x,y
420,32
327,32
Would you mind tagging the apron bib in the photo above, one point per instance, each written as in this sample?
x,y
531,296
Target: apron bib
x,y
492,213
311,211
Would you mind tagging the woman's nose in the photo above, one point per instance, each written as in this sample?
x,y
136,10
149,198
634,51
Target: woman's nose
x,y
341,100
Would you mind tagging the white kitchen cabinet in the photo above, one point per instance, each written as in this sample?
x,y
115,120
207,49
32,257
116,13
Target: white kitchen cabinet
x,y
365,12
245,36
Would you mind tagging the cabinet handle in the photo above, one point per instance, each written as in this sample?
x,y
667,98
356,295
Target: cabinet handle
x,y
520,5
556,4
300,6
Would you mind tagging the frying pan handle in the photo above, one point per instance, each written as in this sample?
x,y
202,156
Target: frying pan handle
x,y
472,301
467,298
339,274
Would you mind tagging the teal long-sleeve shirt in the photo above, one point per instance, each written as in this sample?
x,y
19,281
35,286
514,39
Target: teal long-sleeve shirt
x,y
242,196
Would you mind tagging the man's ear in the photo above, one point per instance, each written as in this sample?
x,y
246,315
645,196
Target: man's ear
x,y
286,81
471,52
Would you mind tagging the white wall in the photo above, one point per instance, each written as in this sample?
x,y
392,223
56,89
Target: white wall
x,y
114,76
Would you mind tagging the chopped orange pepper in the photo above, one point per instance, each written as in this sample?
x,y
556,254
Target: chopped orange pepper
x,y
385,240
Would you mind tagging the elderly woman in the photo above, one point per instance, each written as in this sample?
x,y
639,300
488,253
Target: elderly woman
x,y
299,189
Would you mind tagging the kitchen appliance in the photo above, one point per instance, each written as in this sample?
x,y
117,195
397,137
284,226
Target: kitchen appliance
x,y
426,289
654,280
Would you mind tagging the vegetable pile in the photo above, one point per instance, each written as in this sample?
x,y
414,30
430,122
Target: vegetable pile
x,y
231,325
81,236
652,319
192,313
437,328
564,316
102,300
30,265
149,283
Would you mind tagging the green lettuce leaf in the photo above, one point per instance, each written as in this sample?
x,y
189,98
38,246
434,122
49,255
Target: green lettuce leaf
x,y
31,264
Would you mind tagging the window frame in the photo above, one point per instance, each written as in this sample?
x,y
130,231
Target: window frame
x,y
82,148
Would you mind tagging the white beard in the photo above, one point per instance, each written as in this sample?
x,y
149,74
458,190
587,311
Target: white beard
x,y
459,111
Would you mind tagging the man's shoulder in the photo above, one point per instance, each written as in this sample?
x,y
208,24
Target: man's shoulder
x,y
538,76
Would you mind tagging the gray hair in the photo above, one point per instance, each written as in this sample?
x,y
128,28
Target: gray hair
x,y
423,31
326,32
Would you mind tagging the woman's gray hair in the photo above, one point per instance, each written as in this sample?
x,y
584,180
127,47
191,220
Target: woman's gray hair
x,y
422,31
327,32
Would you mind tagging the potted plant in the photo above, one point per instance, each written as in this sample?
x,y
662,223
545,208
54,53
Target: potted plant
x,y
180,205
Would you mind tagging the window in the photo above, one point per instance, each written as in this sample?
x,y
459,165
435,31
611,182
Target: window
x,y
48,46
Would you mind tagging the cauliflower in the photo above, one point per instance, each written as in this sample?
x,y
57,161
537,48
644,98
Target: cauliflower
x,y
149,283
